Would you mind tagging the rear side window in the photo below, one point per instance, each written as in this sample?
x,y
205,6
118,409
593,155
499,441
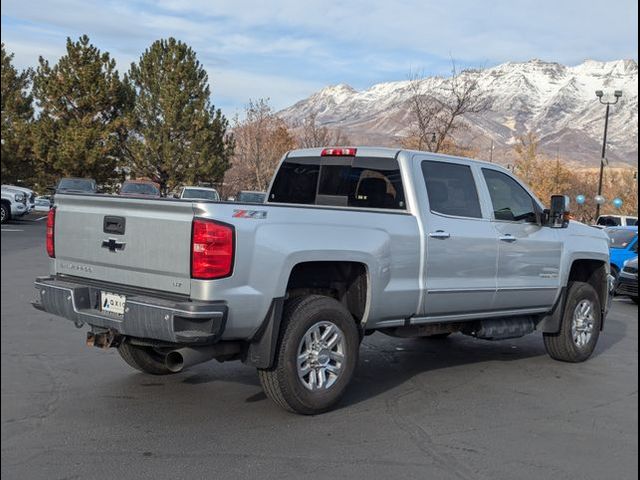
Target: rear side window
x,y
510,200
345,182
451,189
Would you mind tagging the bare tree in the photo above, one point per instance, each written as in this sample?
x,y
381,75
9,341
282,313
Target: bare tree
x,y
313,135
439,113
527,161
261,140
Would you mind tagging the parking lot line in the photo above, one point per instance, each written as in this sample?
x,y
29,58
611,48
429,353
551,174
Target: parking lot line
x,y
11,230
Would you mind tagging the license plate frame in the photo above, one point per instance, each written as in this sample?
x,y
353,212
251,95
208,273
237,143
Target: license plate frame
x,y
112,303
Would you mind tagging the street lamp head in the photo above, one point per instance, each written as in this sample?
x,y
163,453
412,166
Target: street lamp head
x,y
617,93
599,93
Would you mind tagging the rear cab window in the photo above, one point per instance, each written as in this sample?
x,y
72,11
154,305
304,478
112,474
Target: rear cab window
x,y
356,182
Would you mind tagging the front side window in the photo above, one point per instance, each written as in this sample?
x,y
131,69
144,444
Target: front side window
x,y
511,202
344,181
451,189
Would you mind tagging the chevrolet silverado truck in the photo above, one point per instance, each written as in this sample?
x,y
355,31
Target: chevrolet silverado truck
x,y
348,242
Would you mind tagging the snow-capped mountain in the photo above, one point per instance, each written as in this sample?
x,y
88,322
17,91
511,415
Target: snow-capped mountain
x,y
555,101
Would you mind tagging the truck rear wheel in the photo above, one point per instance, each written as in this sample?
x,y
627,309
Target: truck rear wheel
x,y
316,356
143,358
580,328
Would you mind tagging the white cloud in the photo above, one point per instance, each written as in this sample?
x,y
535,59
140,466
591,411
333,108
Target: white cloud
x,y
319,42
237,87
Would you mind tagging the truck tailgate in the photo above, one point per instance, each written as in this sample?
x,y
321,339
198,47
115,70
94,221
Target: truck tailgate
x,y
128,241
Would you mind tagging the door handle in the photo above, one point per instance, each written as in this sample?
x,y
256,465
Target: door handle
x,y
439,234
508,238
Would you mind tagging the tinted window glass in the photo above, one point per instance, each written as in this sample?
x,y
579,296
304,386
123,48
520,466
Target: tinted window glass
x,y
620,237
609,221
139,189
451,189
200,193
340,181
251,197
296,182
77,184
511,202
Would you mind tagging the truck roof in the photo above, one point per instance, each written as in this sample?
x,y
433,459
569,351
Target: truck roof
x,y
385,152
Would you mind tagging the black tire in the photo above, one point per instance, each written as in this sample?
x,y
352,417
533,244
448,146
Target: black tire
x,y
634,299
561,346
281,382
6,214
437,336
143,358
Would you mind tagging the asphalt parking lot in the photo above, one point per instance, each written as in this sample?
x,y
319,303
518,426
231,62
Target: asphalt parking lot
x,y
451,409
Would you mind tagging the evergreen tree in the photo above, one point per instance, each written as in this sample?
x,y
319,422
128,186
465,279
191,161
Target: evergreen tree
x,y
17,113
180,137
82,126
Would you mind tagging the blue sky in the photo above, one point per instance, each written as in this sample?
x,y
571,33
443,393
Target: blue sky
x,y
286,50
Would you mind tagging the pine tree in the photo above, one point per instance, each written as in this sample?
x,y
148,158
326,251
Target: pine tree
x,y
82,126
17,114
179,136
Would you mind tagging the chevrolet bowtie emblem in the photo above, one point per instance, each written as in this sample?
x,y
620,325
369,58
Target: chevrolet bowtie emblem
x,y
113,245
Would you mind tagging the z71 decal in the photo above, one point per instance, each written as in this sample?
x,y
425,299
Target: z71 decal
x,y
257,214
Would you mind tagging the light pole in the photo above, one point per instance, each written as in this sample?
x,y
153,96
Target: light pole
x,y
600,94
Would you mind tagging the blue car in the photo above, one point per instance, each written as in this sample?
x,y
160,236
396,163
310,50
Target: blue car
x,y
624,246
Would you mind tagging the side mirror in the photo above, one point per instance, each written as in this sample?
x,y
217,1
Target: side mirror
x,y
231,199
558,214
51,189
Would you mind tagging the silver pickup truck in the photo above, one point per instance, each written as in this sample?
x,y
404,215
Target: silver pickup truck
x,y
348,242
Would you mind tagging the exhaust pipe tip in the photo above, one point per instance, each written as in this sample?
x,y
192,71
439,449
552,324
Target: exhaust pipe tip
x,y
178,360
174,361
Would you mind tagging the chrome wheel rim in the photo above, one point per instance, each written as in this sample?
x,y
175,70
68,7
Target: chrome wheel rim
x,y
321,356
3,214
582,324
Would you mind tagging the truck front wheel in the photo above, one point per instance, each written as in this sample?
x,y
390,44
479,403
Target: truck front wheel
x,y
316,355
580,328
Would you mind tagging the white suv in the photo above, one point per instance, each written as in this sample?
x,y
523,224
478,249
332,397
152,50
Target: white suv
x,y
616,221
16,202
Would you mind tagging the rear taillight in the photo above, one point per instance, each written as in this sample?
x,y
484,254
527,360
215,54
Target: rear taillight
x,y
51,227
212,249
